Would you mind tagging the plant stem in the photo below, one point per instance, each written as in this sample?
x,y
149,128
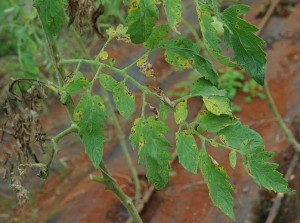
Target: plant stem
x,y
124,147
114,119
111,184
287,133
114,187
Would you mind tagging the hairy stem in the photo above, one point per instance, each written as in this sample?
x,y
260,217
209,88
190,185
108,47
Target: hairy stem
x,y
114,187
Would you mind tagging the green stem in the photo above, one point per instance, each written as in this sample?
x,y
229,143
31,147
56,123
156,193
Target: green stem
x,y
124,147
72,128
115,121
114,187
287,133
122,73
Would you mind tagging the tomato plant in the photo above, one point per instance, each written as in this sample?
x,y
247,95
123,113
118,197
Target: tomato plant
x,y
148,133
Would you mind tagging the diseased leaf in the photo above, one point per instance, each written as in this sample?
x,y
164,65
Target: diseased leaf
x,y
52,15
263,173
181,112
187,150
232,159
180,52
136,132
202,87
89,115
216,179
235,135
217,105
173,11
107,81
140,19
214,123
159,33
152,146
239,35
209,33
75,84
125,101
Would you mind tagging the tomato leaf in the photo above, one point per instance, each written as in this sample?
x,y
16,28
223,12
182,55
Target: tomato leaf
x,y
263,173
52,15
89,115
159,33
216,179
107,81
76,83
181,112
214,123
235,135
173,11
140,19
217,105
210,37
125,101
152,146
239,35
187,150
202,87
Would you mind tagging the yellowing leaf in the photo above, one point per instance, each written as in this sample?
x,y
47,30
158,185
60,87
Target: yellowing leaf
x,y
103,55
140,19
217,104
125,100
159,33
181,112
107,81
89,115
173,11
148,134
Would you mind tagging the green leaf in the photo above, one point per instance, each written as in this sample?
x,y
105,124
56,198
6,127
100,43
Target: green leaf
x,y
232,159
173,11
107,81
136,132
89,116
52,15
140,19
159,33
187,150
235,135
152,146
125,101
163,111
217,105
202,87
204,67
210,37
214,123
181,112
246,45
263,173
216,179
76,83
180,52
